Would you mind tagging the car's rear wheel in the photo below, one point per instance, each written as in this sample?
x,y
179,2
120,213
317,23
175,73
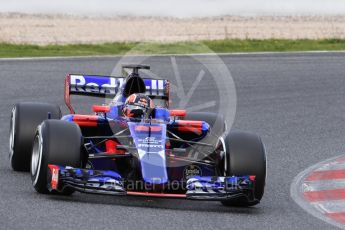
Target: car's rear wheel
x,y
56,142
25,118
245,155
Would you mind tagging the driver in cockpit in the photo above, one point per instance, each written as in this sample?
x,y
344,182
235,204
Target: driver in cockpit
x,y
137,106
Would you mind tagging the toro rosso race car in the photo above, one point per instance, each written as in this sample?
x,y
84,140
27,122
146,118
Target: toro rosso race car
x,y
135,145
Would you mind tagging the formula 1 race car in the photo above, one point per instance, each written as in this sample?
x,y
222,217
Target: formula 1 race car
x,y
135,145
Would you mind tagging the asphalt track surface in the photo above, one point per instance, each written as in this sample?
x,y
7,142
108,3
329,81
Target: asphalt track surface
x,y
295,102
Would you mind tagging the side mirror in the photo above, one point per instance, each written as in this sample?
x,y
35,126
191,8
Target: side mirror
x,y
178,113
100,108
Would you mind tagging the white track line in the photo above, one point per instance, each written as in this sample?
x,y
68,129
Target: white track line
x,y
168,55
331,206
332,166
323,185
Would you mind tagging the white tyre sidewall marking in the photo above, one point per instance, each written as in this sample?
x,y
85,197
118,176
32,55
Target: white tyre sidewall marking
x,y
266,163
221,139
12,133
37,158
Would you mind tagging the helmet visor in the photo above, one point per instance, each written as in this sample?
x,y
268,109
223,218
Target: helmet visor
x,y
135,107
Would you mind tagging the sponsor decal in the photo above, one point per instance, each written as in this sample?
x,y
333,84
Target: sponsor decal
x,y
151,140
89,165
155,87
55,176
191,170
111,85
89,84
149,146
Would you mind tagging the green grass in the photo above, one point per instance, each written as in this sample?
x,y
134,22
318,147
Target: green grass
x,y
217,46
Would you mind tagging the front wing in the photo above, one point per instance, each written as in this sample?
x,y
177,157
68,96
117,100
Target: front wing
x,y
111,183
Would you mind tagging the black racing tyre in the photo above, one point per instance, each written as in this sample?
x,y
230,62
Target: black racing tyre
x,y
56,142
25,118
216,121
245,155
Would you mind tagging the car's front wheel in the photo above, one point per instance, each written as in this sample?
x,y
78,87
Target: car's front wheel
x,y
245,155
56,142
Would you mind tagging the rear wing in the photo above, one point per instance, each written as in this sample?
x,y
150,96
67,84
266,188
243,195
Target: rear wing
x,y
109,86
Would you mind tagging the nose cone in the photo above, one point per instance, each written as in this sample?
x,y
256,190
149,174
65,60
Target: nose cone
x,y
150,141
153,168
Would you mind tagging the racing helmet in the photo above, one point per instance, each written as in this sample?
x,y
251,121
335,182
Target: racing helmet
x,y
137,105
